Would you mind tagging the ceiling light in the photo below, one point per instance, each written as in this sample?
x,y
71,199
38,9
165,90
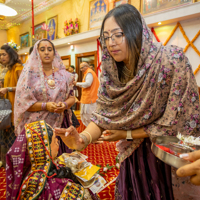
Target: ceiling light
x,y
159,23
25,53
68,42
5,10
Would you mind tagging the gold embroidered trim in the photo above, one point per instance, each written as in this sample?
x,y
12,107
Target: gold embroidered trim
x,y
39,159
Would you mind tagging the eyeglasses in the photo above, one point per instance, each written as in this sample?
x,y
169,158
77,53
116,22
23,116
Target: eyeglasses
x,y
82,67
117,38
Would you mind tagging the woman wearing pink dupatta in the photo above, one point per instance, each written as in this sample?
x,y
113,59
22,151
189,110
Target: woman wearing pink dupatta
x,y
146,89
44,90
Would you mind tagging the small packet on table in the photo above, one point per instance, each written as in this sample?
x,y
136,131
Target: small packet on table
x,y
98,184
75,161
88,172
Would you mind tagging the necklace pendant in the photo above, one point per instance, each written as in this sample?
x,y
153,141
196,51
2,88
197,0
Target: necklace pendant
x,y
51,84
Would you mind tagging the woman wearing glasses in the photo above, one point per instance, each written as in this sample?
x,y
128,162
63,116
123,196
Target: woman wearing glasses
x,y
146,89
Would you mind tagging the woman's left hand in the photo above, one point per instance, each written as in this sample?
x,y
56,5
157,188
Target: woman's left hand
x,y
3,91
113,135
60,108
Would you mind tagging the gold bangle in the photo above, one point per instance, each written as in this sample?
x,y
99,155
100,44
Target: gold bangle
x,y
89,136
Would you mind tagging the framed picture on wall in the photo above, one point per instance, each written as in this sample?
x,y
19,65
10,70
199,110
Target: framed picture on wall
x,y
151,6
39,33
52,24
97,11
119,2
24,40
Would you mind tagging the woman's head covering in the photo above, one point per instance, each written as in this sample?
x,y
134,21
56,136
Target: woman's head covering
x,y
162,97
29,162
26,93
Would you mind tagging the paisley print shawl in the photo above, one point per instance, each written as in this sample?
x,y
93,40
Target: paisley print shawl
x,y
162,97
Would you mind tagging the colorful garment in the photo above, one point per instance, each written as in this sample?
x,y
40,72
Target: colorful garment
x,y
162,98
10,80
32,87
30,153
89,94
89,85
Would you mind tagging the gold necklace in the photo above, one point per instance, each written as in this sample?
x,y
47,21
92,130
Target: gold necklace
x,y
51,82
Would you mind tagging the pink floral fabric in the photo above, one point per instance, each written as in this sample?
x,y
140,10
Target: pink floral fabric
x,y
162,97
32,87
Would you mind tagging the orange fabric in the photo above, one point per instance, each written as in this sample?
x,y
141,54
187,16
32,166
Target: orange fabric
x,y
89,95
10,80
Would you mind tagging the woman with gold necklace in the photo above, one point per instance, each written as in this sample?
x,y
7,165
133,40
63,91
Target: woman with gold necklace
x,y
44,90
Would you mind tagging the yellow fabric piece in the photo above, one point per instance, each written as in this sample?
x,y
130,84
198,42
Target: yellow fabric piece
x,y
88,172
10,80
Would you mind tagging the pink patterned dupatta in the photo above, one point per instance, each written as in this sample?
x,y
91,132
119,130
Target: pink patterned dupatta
x,y
32,87
162,97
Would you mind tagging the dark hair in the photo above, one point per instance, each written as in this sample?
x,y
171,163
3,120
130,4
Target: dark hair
x,y
72,66
54,50
62,172
13,55
30,50
129,20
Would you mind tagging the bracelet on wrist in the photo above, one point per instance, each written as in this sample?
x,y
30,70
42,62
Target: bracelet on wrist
x,y
84,138
10,89
44,106
66,105
89,136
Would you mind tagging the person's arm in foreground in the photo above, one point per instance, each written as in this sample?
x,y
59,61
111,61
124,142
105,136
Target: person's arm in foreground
x,y
92,133
192,169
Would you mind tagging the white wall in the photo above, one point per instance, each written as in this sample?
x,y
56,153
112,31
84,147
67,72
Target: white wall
x,y
78,48
191,28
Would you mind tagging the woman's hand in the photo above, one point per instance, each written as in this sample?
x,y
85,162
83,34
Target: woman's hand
x,y
192,169
113,135
3,91
70,137
60,107
51,107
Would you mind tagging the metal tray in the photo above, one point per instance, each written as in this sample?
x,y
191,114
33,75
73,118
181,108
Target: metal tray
x,y
166,157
